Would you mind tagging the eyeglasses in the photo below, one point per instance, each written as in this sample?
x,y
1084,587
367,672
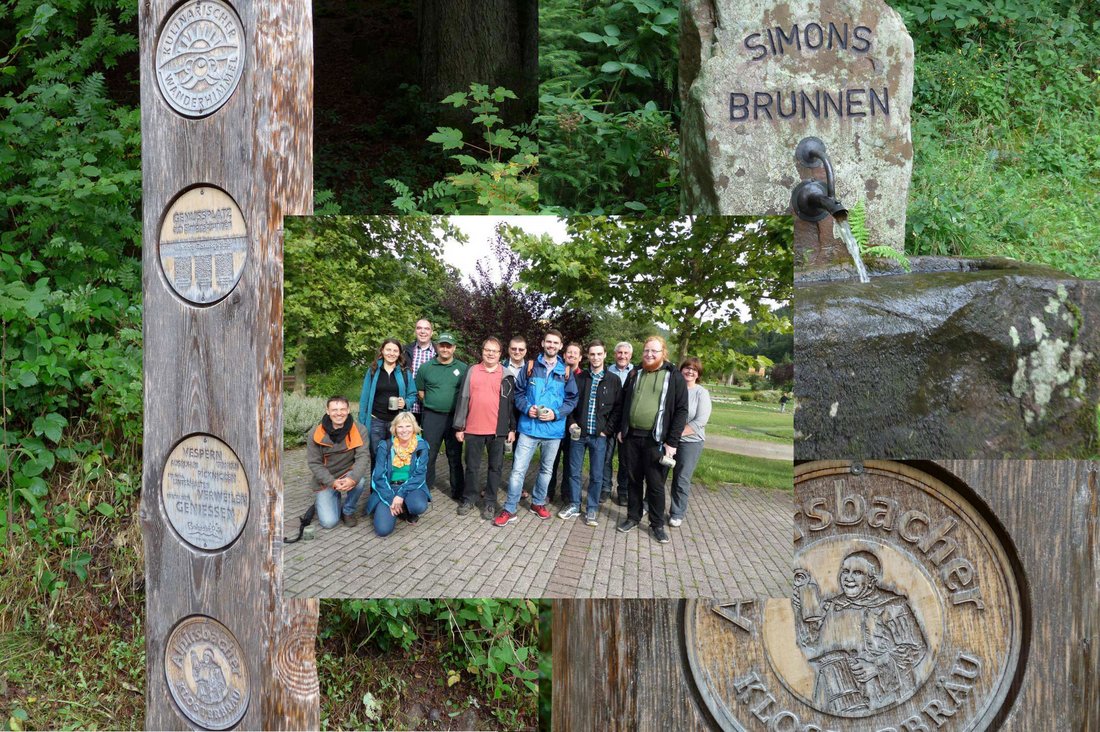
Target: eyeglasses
x,y
517,348
652,352
490,350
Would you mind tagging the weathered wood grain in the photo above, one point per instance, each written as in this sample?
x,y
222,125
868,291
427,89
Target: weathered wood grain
x,y
1049,510
217,369
620,665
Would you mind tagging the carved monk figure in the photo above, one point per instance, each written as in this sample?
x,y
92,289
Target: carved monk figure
x,y
865,643
210,686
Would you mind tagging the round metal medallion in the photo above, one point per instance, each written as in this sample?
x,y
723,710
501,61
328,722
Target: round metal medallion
x,y
905,614
205,492
200,57
203,245
206,673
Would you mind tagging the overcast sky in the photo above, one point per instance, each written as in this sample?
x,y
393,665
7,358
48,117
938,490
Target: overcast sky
x,y
480,229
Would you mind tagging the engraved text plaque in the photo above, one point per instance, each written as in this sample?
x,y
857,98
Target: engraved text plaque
x,y
205,492
203,245
200,57
206,673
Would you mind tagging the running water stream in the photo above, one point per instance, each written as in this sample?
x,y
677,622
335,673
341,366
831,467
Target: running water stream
x,y
852,244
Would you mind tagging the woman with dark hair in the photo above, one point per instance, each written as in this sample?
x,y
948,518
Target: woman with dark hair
x,y
691,440
399,485
388,388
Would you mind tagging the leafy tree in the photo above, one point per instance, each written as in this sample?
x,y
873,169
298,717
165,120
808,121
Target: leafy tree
x,y
352,282
485,306
687,273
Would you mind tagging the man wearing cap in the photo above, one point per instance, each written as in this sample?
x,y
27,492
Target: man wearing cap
x,y
437,384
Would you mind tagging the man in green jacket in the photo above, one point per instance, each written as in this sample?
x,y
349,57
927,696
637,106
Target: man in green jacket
x,y
437,384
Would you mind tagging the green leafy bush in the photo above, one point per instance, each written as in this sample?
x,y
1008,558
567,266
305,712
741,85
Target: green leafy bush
x,y
70,278
1006,131
497,173
491,643
608,111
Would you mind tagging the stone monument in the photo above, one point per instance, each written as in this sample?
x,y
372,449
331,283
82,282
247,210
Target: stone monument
x,y
758,76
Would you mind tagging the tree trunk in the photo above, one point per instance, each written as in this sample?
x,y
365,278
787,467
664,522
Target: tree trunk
x,y
300,371
492,42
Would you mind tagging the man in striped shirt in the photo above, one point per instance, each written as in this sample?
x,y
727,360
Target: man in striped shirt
x,y
419,352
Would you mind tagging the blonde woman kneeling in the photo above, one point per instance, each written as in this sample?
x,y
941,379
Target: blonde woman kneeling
x,y
399,484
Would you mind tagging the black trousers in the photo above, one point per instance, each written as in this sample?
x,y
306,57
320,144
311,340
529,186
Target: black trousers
x,y
439,431
645,477
476,446
620,479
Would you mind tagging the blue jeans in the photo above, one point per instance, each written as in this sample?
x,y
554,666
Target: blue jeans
x,y
416,503
597,448
521,459
687,457
328,504
379,432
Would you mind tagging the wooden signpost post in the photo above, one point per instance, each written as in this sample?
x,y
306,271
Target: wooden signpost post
x,y
227,120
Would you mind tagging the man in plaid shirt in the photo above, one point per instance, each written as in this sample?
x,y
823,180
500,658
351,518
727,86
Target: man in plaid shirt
x,y
419,352
591,425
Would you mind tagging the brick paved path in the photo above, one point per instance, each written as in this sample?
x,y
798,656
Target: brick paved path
x,y
734,543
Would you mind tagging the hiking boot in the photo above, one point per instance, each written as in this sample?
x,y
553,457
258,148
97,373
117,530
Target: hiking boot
x,y
412,518
626,525
464,508
540,511
660,534
590,518
350,520
675,521
604,495
488,511
620,498
504,517
570,511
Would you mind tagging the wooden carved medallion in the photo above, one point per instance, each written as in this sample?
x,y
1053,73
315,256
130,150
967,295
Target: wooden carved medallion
x,y
905,615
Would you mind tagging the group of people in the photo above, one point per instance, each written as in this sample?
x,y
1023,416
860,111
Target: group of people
x,y
419,399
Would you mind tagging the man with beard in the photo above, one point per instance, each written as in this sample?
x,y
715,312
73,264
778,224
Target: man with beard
x,y
654,413
338,458
863,644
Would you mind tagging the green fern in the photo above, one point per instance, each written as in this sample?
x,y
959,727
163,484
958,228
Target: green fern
x,y
857,220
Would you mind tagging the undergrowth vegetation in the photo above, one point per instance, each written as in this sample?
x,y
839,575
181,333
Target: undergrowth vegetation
x,y
430,664
608,112
1006,131
70,367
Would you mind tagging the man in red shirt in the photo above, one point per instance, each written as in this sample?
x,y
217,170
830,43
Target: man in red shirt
x,y
484,420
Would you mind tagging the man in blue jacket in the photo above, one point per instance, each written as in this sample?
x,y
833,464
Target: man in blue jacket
x,y
546,393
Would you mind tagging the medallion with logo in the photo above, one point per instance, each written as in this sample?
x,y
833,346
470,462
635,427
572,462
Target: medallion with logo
x,y
200,57
905,615
206,673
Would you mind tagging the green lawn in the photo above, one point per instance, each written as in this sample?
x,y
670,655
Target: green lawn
x,y
724,468
762,421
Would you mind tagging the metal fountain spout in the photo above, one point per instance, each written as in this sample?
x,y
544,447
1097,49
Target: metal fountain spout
x,y
812,200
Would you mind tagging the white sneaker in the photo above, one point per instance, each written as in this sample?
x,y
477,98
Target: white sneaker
x,y
675,522
570,511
